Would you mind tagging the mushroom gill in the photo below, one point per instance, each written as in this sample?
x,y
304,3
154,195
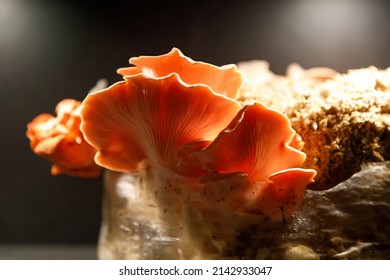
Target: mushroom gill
x,y
152,118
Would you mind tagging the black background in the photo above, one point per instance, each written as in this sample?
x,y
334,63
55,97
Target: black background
x,y
51,50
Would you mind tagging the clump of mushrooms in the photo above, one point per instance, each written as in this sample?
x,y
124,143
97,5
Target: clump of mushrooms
x,y
59,140
206,160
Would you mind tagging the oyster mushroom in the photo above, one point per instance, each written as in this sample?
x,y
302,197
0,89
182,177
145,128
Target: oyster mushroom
x,y
258,143
59,140
152,118
314,75
224,80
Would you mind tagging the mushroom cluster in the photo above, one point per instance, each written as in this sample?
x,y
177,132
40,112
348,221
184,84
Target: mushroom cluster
x,y
59,140
175,123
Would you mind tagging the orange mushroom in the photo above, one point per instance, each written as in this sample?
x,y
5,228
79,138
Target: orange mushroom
x,y
257,142
283,192
59,140
152,118
224,80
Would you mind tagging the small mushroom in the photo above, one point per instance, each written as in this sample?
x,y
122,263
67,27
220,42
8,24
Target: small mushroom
x,y
315,74
256,72
282,194
59,140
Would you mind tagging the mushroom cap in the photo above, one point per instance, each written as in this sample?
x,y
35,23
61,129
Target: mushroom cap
x,y
257,142
151,118
59,140
255,72
225,80
254,165
277,198
314,74
283,192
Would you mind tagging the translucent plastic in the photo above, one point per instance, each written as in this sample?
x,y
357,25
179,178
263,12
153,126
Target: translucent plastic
x,y
144,219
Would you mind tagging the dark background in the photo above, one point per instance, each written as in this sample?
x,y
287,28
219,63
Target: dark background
x,y
51,50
